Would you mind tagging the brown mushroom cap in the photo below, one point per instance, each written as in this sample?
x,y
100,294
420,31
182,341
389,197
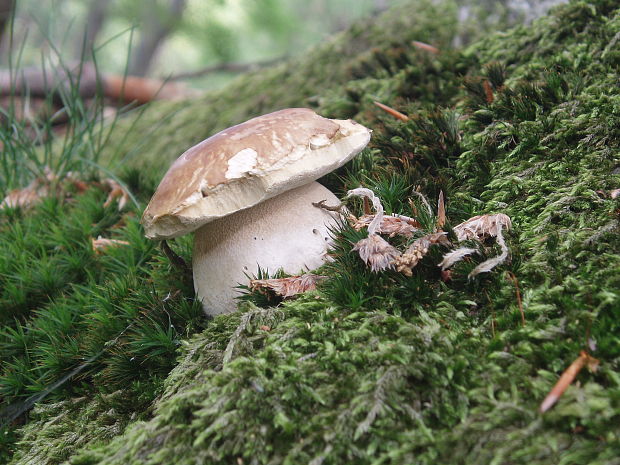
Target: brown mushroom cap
x,y
246,164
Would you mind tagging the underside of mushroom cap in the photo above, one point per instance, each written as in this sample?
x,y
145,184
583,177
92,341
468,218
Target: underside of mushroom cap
x,y
246,164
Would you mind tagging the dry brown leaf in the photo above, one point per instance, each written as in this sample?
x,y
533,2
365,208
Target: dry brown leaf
x,y
101,244
482,226
287,287
376,252
416,251
567,378
391,225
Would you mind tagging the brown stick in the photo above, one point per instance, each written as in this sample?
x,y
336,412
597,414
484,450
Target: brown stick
x,y
40,83
139,89
227,67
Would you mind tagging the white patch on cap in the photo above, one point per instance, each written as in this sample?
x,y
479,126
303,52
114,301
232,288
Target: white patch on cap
x,y
241,163
318,141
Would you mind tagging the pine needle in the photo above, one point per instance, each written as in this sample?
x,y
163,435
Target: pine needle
x,y
567,378
424,46
395,113
513,278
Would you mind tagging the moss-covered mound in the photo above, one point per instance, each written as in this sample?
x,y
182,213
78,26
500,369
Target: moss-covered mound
x,y
373,367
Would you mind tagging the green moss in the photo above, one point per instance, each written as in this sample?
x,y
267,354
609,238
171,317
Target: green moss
x,y
379,368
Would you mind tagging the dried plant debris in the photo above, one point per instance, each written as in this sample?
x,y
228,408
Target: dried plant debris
x,y
455,256
101,244
380,255
482,227
416,251
392,225
479,228
441,211
567,378
287,287
32,194
26,197
116,191
423,200
51,184
374,250
377,252
376,203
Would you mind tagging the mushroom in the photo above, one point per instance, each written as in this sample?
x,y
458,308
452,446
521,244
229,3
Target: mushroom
x,y
248,191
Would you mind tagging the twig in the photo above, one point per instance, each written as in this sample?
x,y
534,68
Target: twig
x,y
513,278
321,205
229,67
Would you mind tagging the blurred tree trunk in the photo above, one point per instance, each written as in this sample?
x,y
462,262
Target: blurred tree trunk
x,y
156,25
6,12
96,16
381,6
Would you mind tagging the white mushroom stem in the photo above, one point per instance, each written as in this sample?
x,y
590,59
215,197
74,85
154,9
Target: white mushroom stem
x,y
286,232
